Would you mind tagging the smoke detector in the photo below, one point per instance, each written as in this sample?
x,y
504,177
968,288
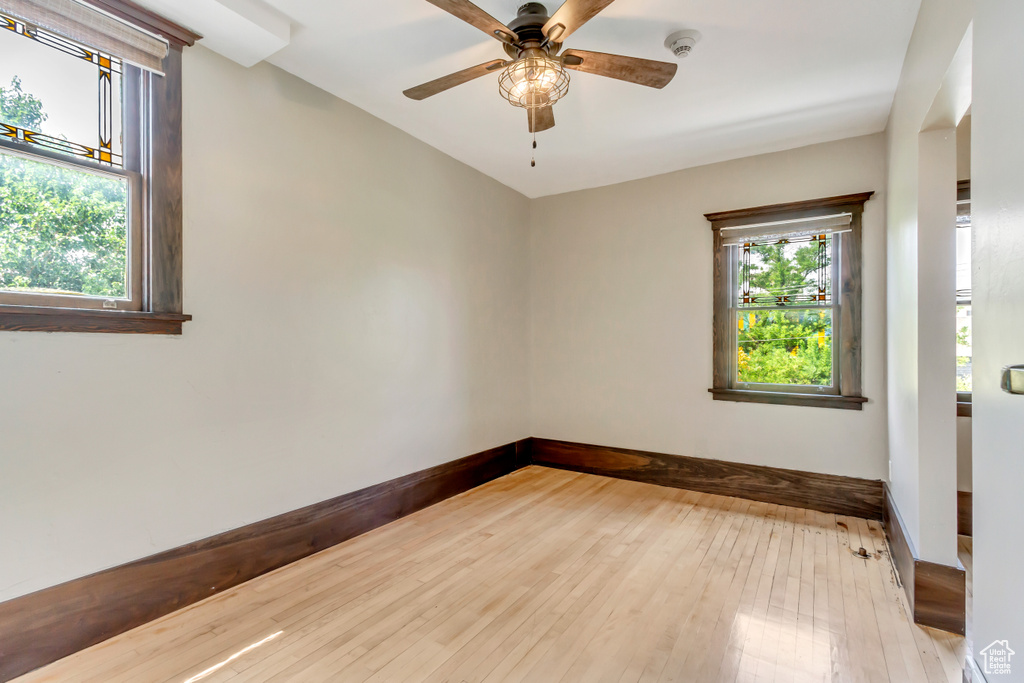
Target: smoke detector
x,y
681,43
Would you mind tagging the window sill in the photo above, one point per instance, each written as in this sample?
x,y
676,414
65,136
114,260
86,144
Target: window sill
x,y
787,399
40,319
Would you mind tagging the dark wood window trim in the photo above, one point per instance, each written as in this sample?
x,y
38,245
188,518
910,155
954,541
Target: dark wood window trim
x,y
850,396
788,399
964,404
963,190
177,36
43,319
162,304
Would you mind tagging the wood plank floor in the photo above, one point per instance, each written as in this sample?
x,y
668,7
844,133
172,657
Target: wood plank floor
x,y
546,575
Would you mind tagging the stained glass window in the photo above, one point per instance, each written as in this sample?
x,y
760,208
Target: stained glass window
x,y
786,272
65,216
783,309
80,86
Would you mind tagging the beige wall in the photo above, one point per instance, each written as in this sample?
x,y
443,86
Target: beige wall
x,y
621,315
919,273
360,304
963,149
964,474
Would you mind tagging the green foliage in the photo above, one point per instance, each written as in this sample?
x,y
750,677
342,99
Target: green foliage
x,y
19,108
963,336
788,345
964,379
61,230
963,382
778,272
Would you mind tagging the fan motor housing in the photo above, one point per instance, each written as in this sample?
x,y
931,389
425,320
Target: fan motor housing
x,y
529,28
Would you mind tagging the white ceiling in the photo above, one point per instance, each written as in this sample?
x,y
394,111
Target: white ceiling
x,y
766,76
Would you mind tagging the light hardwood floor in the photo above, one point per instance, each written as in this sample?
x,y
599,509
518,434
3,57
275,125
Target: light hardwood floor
x,y
546,575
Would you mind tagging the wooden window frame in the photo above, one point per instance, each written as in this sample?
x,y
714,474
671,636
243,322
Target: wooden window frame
x,y
849,249
156,205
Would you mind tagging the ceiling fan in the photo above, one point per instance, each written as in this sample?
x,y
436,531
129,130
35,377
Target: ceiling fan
x,y
535,77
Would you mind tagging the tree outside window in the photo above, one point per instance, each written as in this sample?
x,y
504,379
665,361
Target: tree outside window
x,y
62,231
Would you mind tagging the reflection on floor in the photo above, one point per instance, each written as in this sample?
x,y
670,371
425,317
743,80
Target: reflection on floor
x,y
547,576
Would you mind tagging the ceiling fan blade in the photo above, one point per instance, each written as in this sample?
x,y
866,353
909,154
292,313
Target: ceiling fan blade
x,y
422,92
471,14
632,69
570,16
541,118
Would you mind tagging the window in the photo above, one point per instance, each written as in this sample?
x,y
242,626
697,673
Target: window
x,y
90,154
69,234
787,303
964,352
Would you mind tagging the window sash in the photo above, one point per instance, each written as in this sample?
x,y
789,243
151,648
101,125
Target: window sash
x,y
734,309
965,396
136,87
963,296
110,70
824,295
135,260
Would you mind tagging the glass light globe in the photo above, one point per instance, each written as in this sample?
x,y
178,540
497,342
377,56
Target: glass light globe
x,y
534,81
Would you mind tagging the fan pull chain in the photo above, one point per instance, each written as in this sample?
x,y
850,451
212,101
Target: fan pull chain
x,y
533,155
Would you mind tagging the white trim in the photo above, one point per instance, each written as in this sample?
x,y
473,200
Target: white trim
x,y
976,674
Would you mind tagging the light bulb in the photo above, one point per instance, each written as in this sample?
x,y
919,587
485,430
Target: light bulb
x,y
533,82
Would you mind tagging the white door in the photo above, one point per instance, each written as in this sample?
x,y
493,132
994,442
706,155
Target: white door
x,y
997,203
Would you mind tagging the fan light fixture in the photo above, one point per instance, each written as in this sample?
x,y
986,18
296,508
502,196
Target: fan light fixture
x,y
536,76
533,81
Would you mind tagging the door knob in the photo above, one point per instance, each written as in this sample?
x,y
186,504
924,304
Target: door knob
x,y
1013,379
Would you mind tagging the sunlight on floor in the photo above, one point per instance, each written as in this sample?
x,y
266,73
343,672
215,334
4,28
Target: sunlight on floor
x,y
219,665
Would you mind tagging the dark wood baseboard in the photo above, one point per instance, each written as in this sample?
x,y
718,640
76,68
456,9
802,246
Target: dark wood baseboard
x,y
824,492
937,593
964,513
44,626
